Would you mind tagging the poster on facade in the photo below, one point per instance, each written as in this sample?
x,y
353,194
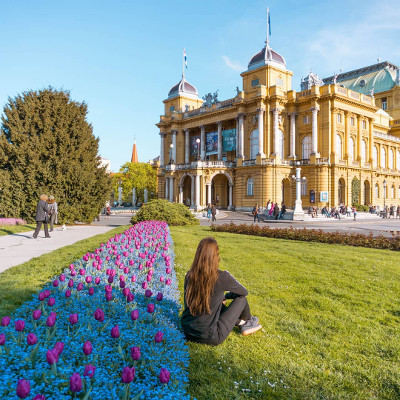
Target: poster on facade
x,y
323,196
212,143
194,147
229,140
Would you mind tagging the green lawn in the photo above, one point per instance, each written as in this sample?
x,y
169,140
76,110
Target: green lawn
x,y
20,282
10,229
330,316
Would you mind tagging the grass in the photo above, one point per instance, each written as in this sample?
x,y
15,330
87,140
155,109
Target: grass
x,y
10,229
330,316
20,282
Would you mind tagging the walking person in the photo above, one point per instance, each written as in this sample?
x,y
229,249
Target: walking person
x,y
276,211
209,212
354,213
256,211
213,213
42,215
206,318
271,210
398,212
282,212
107,209
53,212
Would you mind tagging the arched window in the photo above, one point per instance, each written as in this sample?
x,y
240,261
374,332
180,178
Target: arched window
x,y
250,186
304,187
392,194
383,157
377,191
280,144
364,154
398,159
339,146
391,159
306,147
352,149
375,157
254,144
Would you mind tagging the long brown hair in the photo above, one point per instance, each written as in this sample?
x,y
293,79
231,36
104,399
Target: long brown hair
x,y
202,277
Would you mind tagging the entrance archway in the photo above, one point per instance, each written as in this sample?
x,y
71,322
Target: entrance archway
x,y
187,190
287,192
367,193
220,191
341,191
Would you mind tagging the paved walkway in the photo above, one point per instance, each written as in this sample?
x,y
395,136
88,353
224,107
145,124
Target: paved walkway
x,y
21,247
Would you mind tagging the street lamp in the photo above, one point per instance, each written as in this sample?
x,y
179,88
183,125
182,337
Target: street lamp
x,y
198,149
384,195
171,147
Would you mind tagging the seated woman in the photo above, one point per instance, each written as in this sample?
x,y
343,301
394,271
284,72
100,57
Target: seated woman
x,y
205,318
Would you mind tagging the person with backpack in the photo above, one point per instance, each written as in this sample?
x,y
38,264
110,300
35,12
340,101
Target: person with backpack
x,y
42,215
53,212
256,211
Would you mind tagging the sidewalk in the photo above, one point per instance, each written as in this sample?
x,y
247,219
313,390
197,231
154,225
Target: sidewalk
x,y
21,247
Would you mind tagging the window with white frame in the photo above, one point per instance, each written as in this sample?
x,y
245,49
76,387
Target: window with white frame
x,y
306,146
253,144
352,148
250,187
339,146
383,157
377,191
375,157
392,194
352,122
304,187
280,144
364,154
339,118
384,103
306,119
364,124
391,159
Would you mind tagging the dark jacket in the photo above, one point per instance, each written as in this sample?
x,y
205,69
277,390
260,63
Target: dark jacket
x,y
213,210
42,211
205,325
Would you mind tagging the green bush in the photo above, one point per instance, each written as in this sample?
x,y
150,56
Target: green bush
x,y
361,207
163,210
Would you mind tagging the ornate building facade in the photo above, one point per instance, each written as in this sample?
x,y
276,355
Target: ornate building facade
x,y
343,131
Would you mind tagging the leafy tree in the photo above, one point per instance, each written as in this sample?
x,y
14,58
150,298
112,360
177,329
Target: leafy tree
x,y
47,146
355,191
135,175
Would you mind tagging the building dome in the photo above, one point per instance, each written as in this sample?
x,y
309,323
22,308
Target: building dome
x,y
183,88
267,56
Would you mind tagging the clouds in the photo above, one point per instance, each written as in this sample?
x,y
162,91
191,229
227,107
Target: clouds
x,y
233,65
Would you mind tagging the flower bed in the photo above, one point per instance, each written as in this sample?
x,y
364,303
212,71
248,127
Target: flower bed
x,y
314,235
12,221
107,328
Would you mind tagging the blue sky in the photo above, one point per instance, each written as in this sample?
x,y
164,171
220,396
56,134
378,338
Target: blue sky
x,y
122,57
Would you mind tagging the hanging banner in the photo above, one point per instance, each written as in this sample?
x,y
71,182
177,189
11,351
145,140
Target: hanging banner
x,y
212,143
229,140
194,147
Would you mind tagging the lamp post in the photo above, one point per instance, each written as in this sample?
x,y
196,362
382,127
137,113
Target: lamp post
x,y
298,214
171,147
384,195
198,149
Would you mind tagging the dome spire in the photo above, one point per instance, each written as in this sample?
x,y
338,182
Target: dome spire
x,y
268,28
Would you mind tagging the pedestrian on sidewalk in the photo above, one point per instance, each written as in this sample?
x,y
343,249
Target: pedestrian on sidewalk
x,y
213,213
276,211
42,216
209,212
53,212
354,213
282,212
256,211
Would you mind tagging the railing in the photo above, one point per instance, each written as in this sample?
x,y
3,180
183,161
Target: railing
x,y
304,93
342,162
366,99
356,163
384,170
386,137
395,122
341,90
304,161
286,162
322,161
199,164
226,103
217,164
268,161
367,165
248,163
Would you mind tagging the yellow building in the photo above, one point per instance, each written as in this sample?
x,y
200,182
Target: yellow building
x,y
343,131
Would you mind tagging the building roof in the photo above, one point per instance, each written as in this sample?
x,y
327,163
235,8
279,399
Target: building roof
x,y
267,56
134,158
183,88
378,77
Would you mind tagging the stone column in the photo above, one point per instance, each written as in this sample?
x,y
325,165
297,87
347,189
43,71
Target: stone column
x,y
314,130
162,161
358,147
275,120
208,185
187,146
237,137
371,146
298,214
241,135
219,124
192,191
171,190
180,200
292,138
260,112
230,197
203,142
197,201
166,188
174,133
346,135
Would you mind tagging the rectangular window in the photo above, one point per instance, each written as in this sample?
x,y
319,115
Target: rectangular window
x,y
172,108
255,82
364,124
304,187
306,119
279,82
339,118
384,103
351,121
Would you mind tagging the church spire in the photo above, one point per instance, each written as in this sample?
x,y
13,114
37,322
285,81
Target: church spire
x,y
134,158
268,28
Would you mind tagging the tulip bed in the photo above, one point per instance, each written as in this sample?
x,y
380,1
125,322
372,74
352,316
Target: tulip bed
x,y
107,328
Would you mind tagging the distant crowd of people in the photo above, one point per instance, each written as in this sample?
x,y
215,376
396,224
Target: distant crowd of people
x,y
335,212
46,212
272,210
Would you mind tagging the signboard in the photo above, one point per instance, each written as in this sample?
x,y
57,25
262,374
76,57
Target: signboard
x,y
312,196
229,140
212,143
323,196
194,147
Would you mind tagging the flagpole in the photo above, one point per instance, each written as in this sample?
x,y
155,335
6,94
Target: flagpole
x,y
183,64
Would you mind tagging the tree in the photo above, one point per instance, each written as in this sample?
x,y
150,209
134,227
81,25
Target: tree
x,y
355,191
47,146
135,175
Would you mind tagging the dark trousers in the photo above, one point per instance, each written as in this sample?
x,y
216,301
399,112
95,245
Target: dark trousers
x,y
213,217
52,221
38,226
237,310
256,216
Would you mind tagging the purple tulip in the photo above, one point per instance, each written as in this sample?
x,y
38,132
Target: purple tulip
x,y
130,297
135,353
87,348
159,296
128,374
88,279
164,375
97,281
75,383
168,270
115,332
19,325
110,279
126,291
73,318
36,314
108,288
71,283
82,271
67,293
133,279
62,278
5,321
2,339
39,397
91,291
99,315
51,301
58,348
23,388
89,370
150,308
168,281
148,293
56,283
108,296
158,337
135,315
50,321
161,279
79,287
47,293
144,285
148,277
42,296
31,339
73,273
122,284
51,357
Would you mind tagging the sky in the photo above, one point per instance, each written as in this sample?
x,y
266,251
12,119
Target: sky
x,y
122,57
